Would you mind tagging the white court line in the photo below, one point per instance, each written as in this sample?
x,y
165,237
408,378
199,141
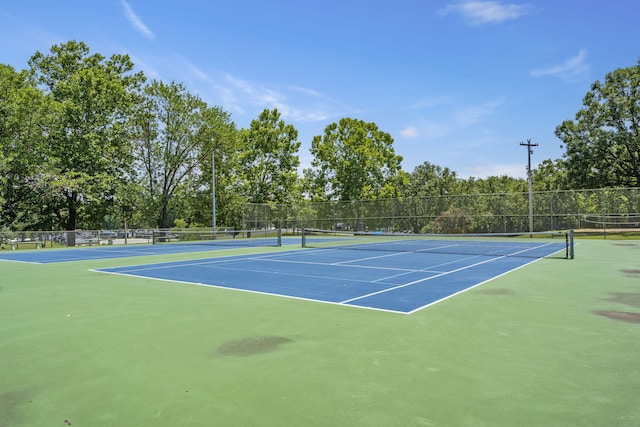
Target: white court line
x,y
367,258
421,280
405,271
450,272
23,262
430,269
281,273
250,291
271,258
471,287
337,264
169,264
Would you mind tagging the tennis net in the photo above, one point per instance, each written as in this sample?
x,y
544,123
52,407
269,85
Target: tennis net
x,y
247,238
534,245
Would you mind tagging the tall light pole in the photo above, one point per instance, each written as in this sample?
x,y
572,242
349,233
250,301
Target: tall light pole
x,y
213,189
529,146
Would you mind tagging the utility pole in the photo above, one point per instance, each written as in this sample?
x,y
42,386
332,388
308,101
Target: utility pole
x,y
529,146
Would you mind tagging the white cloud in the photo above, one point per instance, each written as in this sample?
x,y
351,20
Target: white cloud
x,y
486,12
136,22
307,91
571,69
149,70
410,132
243,95
245,98
485,171
442,124
199,73
239,84
428,103
426,131
471,115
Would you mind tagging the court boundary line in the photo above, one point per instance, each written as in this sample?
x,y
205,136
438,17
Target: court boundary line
x,y
404,285
344,303
272,257
23,262
472,287
251,291
230,268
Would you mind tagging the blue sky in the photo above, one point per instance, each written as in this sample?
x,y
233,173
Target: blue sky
x,y
456,83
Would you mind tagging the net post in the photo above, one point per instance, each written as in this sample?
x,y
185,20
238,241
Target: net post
x,y
279,237
153,237
304,238
571,244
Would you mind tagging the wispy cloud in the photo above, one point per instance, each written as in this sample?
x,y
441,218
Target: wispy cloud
x,y
473,114
410,132
136,22
485,171
243,96
486,12
149,70
201,75
571,69
443,123
307,91
427,103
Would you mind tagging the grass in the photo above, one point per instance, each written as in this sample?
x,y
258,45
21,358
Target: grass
x,y
528,349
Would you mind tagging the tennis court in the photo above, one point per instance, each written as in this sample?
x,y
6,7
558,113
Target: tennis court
x,y
397,274
554,343
168,247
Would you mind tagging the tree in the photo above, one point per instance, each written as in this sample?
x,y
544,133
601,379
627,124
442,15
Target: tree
x,y
550,175
86,144
603,142
22,108
431,180
176,133
494,184
428,181
353,160
269,160
220,136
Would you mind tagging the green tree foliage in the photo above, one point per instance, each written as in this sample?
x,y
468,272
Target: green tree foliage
x,y
494,184
452,221
174,142
550,175
431,180
269,160
86,142
22,111
84,145
603,142
353,160
426,180
219,135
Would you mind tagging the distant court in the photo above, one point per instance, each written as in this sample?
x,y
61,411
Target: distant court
x,y
47,256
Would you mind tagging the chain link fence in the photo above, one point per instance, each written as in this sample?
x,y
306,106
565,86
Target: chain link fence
x,y
617,208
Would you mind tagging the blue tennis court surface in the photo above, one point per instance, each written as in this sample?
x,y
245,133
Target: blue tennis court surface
x,y
47,256
402,282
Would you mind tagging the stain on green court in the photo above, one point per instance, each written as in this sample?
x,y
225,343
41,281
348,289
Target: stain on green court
x,y
250,346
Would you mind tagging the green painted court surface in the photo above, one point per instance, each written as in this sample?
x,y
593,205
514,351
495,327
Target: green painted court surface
x,y
555,343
